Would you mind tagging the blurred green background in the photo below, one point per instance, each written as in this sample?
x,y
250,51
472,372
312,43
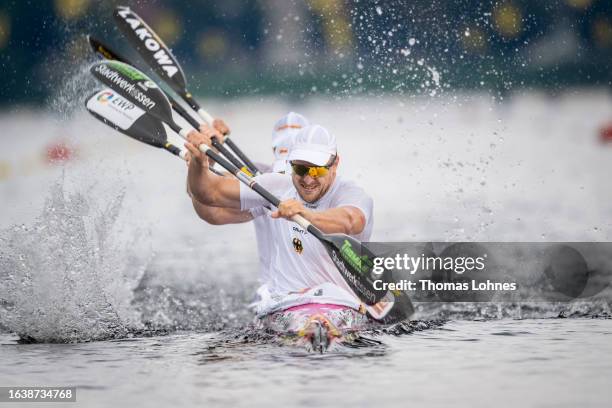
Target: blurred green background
x,y
339,47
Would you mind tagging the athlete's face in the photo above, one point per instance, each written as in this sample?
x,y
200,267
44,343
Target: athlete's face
x,y
311,188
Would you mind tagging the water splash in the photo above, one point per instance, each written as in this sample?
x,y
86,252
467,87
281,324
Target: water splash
x,y
73,82
66,278
192,305
593,308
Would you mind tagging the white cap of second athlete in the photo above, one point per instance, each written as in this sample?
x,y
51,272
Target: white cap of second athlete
x,y
283,138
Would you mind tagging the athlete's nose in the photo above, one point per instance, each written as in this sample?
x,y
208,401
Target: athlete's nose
x,y
307,179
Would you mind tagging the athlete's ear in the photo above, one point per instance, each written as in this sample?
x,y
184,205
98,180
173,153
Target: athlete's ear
x,y
337,161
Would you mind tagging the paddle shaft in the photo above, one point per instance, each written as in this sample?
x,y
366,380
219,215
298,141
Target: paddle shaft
x,y
242,156
225,152
207,117
174,150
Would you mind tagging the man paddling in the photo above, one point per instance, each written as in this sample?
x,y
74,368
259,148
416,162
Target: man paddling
x,y
283,136
314,191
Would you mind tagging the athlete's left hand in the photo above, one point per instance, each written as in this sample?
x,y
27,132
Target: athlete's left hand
x,y
289,208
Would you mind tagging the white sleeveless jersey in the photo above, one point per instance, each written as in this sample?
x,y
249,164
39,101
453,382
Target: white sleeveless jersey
x,y
297,259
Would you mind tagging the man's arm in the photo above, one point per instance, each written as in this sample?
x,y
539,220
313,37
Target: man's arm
x,y
344,220
219,215
206,187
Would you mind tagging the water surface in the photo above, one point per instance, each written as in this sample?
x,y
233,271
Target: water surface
x,y
504,363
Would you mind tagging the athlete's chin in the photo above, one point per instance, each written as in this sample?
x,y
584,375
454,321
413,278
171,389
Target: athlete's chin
x,y
309,196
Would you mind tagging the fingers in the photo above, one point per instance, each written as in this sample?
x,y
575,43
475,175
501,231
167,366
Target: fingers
x,y
288,209
210,132
290,213
197,138
221,126
193,151
196,155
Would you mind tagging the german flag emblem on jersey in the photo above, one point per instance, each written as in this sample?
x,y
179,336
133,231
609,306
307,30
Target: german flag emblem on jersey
x,y
297,245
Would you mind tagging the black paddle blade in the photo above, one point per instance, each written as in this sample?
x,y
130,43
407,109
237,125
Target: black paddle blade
x,y
151,47
135,86
395,307
104,51
355,262
122,115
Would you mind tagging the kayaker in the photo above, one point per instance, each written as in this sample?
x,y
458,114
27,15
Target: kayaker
x,y
313,190
283,136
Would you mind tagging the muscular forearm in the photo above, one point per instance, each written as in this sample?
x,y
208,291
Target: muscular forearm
x,y
220,216
212,190
201,183
206,187
344,220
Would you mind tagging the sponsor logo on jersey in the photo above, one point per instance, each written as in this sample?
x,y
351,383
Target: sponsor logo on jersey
x,y
150,41
298,229
297,245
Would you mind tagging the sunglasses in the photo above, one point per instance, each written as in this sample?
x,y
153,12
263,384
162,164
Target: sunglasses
x,y
312,171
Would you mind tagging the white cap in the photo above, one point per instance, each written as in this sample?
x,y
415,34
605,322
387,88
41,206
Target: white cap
x,y
281,152
314,144
283,138
287,127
